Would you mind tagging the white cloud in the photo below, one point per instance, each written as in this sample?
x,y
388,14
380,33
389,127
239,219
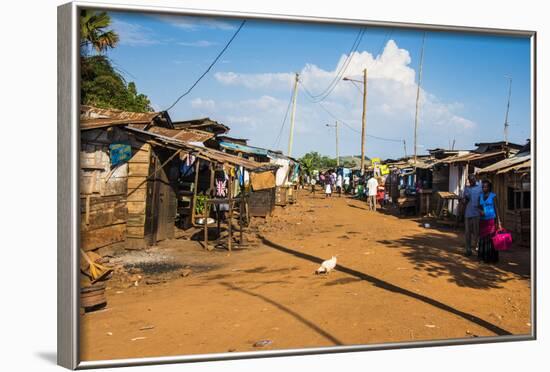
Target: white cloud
x,y
391,91
198,43
206,104
133,34
256,81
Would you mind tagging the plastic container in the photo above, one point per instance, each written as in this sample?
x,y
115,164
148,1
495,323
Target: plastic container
x,y
502,240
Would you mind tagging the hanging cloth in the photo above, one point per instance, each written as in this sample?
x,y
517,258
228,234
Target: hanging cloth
x,y
220,183
187,166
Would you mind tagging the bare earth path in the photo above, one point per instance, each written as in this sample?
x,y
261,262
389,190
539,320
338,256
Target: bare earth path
x,y
396,281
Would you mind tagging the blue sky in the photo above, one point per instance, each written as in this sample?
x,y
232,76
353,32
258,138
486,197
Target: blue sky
x,y
463,96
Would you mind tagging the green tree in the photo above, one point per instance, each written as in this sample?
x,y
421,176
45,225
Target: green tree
x,y
317,161
101,85
94,33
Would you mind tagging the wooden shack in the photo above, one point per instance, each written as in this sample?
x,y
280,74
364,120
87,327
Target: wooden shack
x,y
511,179
131,189
114,195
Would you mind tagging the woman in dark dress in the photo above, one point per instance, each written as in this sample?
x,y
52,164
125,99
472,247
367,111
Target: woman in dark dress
x,y
488,223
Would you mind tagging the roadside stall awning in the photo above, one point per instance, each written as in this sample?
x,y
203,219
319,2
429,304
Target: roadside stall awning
x,y
473,157
203,152
514,163
244,148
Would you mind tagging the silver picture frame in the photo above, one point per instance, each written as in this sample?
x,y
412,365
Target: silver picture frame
x,y
68,207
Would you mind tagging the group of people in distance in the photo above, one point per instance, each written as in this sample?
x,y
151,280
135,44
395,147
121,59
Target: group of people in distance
x,y
481,219
331,181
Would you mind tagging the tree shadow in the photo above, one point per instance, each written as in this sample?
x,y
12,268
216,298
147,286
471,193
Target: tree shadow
x,y
442,255
392,288
405,214
287,310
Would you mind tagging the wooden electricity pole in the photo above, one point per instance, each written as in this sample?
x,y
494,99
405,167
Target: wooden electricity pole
x,y
337,150
292,115
506,124
364,122
337,145
418,96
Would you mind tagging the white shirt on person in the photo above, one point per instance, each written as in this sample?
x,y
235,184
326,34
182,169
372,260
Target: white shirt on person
x,y
372,185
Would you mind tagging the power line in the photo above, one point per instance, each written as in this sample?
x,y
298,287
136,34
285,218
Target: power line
x,y
346,124
283,123
352,49
386,39
341,71
209,67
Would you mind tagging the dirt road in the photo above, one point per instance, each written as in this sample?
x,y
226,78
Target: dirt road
x,y
396,281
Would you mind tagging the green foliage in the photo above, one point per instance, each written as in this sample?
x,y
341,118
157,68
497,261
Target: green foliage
x,y
102,86
315,161
200,204
94,34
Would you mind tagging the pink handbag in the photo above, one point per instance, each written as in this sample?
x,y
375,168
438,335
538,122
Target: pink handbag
x,y
502,240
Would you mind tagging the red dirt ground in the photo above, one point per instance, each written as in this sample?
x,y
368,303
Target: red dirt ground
x,y
396,281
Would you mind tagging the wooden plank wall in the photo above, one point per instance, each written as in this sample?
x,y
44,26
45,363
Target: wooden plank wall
x,y
102,191
138,170
518,221
261,202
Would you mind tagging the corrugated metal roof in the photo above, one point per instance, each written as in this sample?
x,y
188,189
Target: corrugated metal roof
x,y
425,163
517,168
202,124
244,148
506,165
187,135
471,157
206,153
94,117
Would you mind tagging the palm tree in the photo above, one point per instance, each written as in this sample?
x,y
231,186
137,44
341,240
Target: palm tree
x,y
93,33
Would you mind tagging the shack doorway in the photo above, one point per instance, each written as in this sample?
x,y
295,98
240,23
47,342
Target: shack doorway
x,y
161,198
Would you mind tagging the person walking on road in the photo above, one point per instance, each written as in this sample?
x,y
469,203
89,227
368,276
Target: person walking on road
x,y
328,189
339,181
372,188
472,193
312,182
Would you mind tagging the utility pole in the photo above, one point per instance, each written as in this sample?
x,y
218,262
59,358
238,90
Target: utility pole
x,y
337,146
405,147
506,124
364,122
337,151
418,96
364,117
293,114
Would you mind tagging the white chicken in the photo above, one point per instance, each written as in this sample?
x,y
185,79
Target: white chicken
x,y
327,266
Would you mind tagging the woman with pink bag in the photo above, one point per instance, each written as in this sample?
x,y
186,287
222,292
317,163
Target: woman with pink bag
x,y
488,224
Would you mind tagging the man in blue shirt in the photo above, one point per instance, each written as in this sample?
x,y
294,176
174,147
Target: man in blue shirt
x,y
471,213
